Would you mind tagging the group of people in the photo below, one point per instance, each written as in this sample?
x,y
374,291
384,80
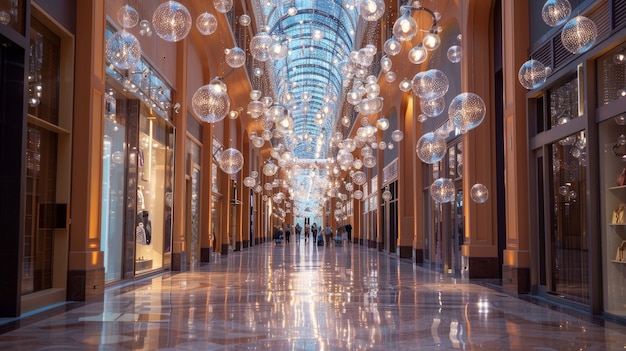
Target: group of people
x,y
326,237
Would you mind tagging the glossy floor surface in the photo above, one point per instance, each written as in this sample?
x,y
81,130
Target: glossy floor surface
x,y
304,297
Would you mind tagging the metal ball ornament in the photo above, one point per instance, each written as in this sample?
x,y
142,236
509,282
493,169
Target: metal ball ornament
x,y
171,21
123,50
442,190
206,24
231,161
479,193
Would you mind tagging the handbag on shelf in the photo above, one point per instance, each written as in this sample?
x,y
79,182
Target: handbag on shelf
x,y
620,252
621,178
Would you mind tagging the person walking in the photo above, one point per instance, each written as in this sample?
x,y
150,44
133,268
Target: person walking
x,y
307,231
328,234
349,231
287,232
314,232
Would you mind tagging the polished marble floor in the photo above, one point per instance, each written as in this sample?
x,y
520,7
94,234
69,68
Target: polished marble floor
x,y
304,297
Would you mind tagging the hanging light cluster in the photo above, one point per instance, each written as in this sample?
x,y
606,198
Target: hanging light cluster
x,y
578,35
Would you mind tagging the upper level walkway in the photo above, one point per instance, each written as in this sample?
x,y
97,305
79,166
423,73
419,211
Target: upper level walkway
x,y
305,297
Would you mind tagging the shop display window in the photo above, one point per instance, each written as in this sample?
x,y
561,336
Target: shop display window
x,y
612,76
613,219
568,237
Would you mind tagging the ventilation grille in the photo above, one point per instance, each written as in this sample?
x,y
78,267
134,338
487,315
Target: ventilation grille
x,y
619,13
602,18
544,55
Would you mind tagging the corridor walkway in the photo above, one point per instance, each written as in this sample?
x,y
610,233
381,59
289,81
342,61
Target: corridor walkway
x,y
304,297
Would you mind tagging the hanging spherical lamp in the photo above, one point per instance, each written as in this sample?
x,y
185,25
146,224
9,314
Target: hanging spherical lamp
x,y
255,109
433,107
278,50
260,45
235,57
123,50
127,16
405,85
382,123
372,10
171,21
556,12
385,63
455,54
357,194
442,190
211,102
479,193
431,148
369,161
269,169
258,142
431,41
418,54
397,135
405,27
430,84
359,178
579,34
223,6
249,182
231,161
392,47
390,76
245,20
467,111
206,24
532,74
387,195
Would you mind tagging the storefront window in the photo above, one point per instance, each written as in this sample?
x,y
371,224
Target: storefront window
x,y
564,103
113,167
41,159
612,76
12,14
154,194
613,219
568,240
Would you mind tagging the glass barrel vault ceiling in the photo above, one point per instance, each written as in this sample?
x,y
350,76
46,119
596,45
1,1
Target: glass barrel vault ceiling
x,y
319,35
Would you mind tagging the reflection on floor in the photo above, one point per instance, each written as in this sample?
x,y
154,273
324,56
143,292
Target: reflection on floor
x,y
305,297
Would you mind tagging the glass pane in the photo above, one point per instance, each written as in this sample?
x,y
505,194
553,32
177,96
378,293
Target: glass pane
x,y
43,73
114,163
568,242
41,173
612,75
564,103
12,14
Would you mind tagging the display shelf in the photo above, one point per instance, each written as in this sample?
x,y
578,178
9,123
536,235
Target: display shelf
x,y
617,225
616,261
617,187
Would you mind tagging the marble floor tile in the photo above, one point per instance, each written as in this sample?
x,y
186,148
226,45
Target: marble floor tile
x,y
304,297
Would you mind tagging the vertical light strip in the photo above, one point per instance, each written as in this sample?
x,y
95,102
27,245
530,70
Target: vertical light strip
x,y
581,93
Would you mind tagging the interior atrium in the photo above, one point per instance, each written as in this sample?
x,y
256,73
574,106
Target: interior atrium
x,y
470,149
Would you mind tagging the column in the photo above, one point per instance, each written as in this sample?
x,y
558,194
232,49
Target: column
x,y
86,260
408,196
179,254
206,206
480,248
516,265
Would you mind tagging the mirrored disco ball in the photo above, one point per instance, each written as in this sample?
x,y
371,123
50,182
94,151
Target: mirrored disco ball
x,y
127,16
431,148
223,6
532,74
430,84
231,161
579,34
467,111
556,12
206,24
211,102
123,50
442,190
479,193
171,21
260,45
433,107
235,57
